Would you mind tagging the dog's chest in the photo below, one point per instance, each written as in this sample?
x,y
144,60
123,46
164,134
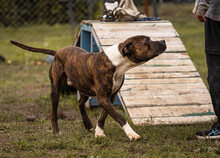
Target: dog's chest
x,y
121,63
117,82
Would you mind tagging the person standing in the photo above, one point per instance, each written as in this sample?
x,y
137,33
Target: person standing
x,y
208,12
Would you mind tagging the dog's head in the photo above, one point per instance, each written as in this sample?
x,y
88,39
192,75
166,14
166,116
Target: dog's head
x,y
140,49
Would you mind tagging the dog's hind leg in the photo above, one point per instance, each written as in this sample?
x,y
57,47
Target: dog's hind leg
x,y
55,100
86,120
57,77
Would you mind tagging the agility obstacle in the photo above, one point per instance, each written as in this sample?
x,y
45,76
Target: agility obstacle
x,y
165,90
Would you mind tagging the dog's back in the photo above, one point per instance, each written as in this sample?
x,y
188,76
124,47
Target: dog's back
x,y
83,69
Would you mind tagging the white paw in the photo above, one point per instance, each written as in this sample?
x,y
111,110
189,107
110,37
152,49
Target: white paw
x,y
130,132
99,132
134,136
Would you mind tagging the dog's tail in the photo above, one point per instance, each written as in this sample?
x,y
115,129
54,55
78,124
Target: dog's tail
x,y
32,49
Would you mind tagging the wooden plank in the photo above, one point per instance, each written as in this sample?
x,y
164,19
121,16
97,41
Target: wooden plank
x,y
175,48
77,38
162,81
164,100
167,69
124,25
209,110
92,22
98,21
151,32
161,75
172,56
168,62
174,120
97,40
163,87
137,28
159,92
170,111
112,41
162,69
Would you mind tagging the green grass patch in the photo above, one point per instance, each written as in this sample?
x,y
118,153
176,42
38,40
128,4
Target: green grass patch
x,y
42,36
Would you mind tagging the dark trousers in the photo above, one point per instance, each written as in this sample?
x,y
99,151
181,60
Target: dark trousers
x,y
213,63
212,49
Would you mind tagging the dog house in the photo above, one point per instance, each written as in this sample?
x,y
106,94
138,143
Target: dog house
x,y
165,90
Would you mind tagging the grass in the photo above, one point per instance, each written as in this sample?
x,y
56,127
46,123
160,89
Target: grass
x,y
24,93
50,37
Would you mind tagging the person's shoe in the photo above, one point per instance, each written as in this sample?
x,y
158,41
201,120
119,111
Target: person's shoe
x,y
213,133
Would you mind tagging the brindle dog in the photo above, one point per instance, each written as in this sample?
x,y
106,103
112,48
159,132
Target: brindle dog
x,y
99,74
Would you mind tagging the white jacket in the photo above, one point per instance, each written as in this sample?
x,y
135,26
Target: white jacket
x,y
208,8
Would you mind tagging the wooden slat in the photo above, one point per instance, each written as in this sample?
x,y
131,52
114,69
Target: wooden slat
x,y
162,87
168,62
162,69
162,81
172,56
170,111
137,28
175,48
94,22
123,25
124,33
159,92
161,75
190,99
174,120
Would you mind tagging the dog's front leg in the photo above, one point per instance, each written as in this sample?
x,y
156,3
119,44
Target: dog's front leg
x,y
86,120
99,131
110,109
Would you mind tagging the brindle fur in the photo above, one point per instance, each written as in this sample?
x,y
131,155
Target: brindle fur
x,y
94,78
92,75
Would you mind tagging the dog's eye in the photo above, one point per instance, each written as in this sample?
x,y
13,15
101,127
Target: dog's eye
x,y
147,42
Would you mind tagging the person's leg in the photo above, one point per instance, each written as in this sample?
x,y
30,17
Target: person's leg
x,y
212,49
212,37
213,63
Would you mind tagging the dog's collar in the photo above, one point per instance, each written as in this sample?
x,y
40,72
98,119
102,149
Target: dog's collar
x,y
114,55
117,58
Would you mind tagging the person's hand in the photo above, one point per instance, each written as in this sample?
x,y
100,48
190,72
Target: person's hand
x,y
201,18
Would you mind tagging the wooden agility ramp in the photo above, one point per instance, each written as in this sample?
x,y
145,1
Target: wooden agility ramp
x,y
165,90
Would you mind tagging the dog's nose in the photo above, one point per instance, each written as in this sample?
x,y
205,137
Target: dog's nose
x,y
163,41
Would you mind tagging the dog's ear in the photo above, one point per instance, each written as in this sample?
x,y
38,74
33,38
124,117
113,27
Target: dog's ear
x,y
124,48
